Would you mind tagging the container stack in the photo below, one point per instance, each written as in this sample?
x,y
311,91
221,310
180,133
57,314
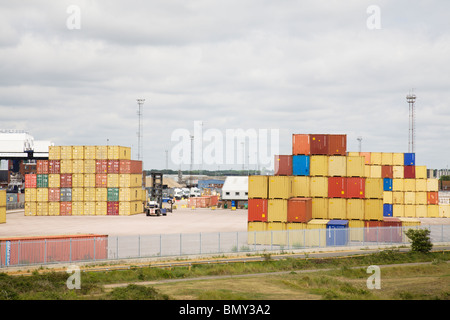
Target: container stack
x,y
85,180
2,206
321,185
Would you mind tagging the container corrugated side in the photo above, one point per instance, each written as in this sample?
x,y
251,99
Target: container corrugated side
x,y
66,152
319,187
398,159
387,158
299,210
129,194
127,208
54,152
280,187
101,152
101,194
90,152
301,144
89,166
337,208
318,165
30,208
374,188
301,186
277,210
316,235
375,171
101,208
319,208
77,208
421,185
283,165
337,144
432,184
421,211
257,210
77,180
375,158
355,209
30,196
89,194
89,208
398,172
89,180
77,152
373,209
444,210
421,172
257,233
337,166
356,166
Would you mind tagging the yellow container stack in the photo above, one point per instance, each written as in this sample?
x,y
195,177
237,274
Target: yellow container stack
x,y
85,180
2,206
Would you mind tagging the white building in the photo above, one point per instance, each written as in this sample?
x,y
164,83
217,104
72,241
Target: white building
x,y
19,143
235,188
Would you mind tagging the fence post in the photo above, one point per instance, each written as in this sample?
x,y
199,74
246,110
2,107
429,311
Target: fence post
x,y
117,247
18,254
219,242
139,245
94,248
200,243
237,241
45,251
180,243
160,245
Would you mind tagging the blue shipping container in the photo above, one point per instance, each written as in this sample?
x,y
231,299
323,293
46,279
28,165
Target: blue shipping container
x,y
337,232
387,210
387,184
410,159
300,165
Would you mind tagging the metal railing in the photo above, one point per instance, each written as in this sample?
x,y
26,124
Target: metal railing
x,y
32,252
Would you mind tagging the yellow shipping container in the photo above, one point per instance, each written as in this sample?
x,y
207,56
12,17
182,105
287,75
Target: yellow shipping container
x,y
2,198
398,172
280,187
398,185
66,166
353,154
398,197
444,210
54,153
375,158
432,184
276,210
89,152
367,170
257,233
433,211
127,180
410,197
42,209
421,198
421,172
119,153
89,166
101,208
30,195
398,210
337,208
66,152
421,211
398,159
53,208
410,210
421,185
374,188
319,208
388,197
356,230
258,186
2,215
337,166
301,186
54,180
373,209
130,194
89,180
31,208
356,166
375,171
101,194
387,159
277,233
101,152
77,208
77,180
42,194
77,194
316,233
409,185
319,187
78,166
296,234
355,209
112,180
127,208
318,165
410,222
78,152
89,194
89,208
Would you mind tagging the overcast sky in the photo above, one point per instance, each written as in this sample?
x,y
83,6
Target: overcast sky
x,y
71,72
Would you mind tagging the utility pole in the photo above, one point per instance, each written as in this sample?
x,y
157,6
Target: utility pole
x,y
411,98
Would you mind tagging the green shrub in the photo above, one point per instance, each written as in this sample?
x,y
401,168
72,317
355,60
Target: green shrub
x,y
420,240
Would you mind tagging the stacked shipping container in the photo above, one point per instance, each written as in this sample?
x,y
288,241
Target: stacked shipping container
x,y
364,189
2,206
85,180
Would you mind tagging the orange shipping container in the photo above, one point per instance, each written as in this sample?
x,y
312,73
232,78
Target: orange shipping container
x,y
337,144
432,197
42,166
301,144
299,210
130,166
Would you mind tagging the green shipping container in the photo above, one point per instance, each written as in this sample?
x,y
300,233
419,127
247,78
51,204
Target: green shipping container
x,y
42,181
113,194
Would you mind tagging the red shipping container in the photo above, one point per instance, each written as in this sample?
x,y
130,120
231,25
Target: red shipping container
x,y
113,166
409,172
387,172
48,249
337,144
130,166
101,166
42,166
213,200
299,210
373,230
54,194
54,166
101,180
66,180
319,144
433,197
283,165
356,187
257,210
65,208
30,181
112,208
337,187
393,234
301,144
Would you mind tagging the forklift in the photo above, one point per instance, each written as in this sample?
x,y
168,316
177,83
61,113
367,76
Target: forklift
x,y
154,203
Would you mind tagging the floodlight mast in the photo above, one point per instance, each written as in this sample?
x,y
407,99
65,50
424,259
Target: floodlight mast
x,y
411,98
140,136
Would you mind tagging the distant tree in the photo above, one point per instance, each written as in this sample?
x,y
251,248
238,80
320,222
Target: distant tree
x,y
445,178
420,240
